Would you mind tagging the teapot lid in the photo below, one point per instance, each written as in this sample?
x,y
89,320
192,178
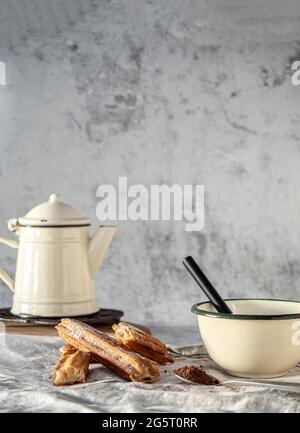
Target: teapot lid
x,y
53,213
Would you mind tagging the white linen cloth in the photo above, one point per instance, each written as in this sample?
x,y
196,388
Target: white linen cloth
x,y
26,365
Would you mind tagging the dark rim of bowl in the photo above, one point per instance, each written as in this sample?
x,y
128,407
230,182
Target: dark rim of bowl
x,y
195,309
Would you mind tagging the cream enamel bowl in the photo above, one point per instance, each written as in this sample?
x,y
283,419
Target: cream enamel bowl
x,y
261,339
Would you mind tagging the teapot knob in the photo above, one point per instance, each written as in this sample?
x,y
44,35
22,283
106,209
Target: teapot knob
x,y
54,198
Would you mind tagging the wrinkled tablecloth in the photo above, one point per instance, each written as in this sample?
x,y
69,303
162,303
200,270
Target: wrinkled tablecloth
x,y
26,365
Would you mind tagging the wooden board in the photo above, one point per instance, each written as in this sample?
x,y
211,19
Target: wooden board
x,y
50,331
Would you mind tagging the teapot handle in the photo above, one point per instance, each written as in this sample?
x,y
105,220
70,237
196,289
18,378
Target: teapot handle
x,y
3,275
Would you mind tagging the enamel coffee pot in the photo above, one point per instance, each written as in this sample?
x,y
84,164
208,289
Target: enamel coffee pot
x,y
57,261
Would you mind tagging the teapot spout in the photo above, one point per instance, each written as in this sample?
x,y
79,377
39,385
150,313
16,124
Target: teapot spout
x,y
98,246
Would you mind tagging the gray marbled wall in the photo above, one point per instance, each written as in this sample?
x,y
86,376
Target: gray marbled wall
x,y
162,91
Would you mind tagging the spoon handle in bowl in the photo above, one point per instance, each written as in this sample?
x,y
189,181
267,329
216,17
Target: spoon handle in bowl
x,y
206,286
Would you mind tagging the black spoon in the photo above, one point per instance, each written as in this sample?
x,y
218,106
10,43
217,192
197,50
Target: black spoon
x,y
206,286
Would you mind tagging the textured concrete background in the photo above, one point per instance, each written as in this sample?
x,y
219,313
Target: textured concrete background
x,y
160,91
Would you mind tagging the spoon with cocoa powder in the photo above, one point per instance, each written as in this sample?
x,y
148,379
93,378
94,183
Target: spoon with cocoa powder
x,y
195,375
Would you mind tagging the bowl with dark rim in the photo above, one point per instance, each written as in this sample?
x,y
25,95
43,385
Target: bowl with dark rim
x,y
261,339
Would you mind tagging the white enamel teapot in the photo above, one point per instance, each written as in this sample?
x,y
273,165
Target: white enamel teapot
x,y
57,261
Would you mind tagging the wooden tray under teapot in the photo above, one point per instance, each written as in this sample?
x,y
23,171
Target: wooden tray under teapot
x,y
102,320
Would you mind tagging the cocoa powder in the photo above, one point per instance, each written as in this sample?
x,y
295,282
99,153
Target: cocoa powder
x,y
196,375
